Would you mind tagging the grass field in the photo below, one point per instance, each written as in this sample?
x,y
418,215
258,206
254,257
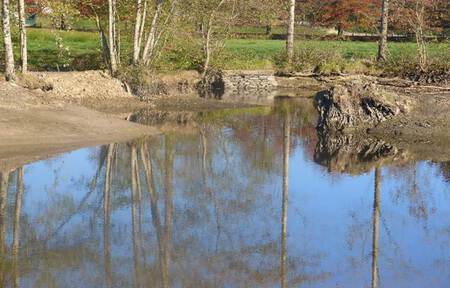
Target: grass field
x,y
81,50
45,53
259,54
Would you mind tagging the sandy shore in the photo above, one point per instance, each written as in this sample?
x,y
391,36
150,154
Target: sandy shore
x,y
36,124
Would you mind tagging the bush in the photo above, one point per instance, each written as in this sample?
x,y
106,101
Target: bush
x,y
407,67
312,60
142,82
182,54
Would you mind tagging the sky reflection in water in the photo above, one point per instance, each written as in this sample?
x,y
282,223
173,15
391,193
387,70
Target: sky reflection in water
x,y
202,206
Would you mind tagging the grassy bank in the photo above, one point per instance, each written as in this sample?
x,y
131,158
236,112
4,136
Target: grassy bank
x,y
259,54
74,50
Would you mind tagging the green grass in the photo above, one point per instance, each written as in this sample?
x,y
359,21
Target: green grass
x,y
44,53
85,52
259,54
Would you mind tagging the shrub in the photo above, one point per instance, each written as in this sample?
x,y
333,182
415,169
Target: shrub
x,y
143,82
312,60
407,67
182,54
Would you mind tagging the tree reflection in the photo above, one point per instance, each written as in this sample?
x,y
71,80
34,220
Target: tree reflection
x,y
375,230
285,189
107,215
16,227
194,208
4,183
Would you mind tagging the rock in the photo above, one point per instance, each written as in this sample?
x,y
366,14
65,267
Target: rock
x,y
357,105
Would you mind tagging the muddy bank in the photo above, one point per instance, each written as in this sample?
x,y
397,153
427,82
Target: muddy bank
x,y
418,115
366,125
34,124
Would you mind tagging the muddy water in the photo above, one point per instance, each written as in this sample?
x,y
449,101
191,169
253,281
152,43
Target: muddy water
x,y
232,198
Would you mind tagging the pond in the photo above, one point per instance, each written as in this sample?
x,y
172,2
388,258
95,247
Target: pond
x,y
250,197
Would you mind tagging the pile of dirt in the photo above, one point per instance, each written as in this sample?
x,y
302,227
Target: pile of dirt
x,y
87,84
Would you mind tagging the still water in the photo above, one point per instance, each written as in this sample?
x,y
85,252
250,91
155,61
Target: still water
x,y
233,198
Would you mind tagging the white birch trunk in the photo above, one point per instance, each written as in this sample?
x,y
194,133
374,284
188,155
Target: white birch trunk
x,y
291,31
151,40
23,37
7,42
137,32
111,36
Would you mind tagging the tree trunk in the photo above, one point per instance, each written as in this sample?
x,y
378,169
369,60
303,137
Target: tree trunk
x,y
23,37
7,42
291,32
152,36
207,51
112,36
340,31
382,48
269,30
420,39
137,32
142,28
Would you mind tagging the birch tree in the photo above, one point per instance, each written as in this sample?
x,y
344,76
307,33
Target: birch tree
x,y
382,48
291,31
23,37
145,44
112,36
214,19
418,16
7,42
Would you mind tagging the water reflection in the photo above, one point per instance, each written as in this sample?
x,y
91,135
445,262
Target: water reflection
x,y
234,198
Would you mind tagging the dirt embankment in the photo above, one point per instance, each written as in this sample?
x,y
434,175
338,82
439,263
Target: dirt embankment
x,y
387,109
34,123
363,125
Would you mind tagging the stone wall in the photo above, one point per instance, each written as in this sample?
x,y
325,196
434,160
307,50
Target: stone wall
x,y
257,87
239,81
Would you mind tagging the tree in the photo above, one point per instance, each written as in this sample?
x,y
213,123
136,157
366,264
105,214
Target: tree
x,y
23,37
143,54
419,16
112,36
213,19
7,42
345,14
382,48
291,31
62,11
260,13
